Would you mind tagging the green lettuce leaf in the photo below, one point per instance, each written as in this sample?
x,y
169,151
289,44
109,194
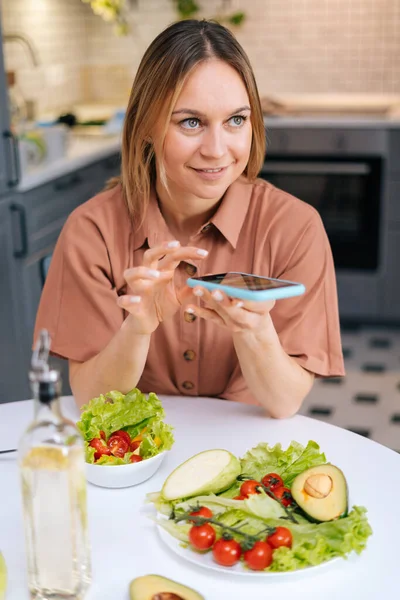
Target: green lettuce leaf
x,y
313,543
157,438
288,463
115,411
132,412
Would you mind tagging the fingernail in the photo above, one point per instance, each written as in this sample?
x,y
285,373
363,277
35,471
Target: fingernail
x,y
239,304
201,252
217,295
134,299
190,311
198,292
153,273
173,244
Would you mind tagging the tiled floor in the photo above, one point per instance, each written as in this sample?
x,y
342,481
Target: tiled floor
x,y
367,400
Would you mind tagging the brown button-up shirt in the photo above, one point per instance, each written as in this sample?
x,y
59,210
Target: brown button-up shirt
x,y
257,228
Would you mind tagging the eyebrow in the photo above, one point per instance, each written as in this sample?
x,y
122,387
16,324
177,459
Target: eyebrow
x,y
197,113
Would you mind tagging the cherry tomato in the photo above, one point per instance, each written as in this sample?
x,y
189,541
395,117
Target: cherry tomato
x,y
123,434
135,458
284,495
272,481
281,537
226,552
202,512
249,487
202,537
118,446
259,557
102,435
240,497
134,445
100,447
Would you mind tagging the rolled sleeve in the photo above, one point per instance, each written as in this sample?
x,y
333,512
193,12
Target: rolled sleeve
x,y
78,303
308,326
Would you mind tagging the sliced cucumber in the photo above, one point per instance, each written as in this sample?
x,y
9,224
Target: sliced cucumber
x,y
3,577
208,472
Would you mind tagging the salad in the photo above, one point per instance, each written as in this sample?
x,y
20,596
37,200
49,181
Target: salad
x,y
120,429
273,509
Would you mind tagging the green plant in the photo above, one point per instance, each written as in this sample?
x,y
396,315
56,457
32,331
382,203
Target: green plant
x,y
112,11
189,9
115,11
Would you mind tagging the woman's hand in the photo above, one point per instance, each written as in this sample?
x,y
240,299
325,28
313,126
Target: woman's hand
x,y
152,296
239,316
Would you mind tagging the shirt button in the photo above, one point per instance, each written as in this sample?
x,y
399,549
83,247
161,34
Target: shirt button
x,y
189,317
189,355
188,385
190,269
206,228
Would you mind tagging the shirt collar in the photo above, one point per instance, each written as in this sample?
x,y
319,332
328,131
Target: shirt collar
x,y
228,219
231,213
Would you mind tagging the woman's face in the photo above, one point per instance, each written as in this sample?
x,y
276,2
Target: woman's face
x,y
208,139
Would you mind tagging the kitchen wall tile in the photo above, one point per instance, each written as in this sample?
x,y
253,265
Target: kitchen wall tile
x,y
302,46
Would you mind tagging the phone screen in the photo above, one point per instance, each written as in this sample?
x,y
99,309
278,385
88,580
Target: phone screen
x,y
244,281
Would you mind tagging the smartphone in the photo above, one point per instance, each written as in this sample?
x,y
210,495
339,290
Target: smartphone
x,y
249,287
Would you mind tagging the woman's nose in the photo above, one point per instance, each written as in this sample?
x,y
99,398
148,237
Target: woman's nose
x,y
213,144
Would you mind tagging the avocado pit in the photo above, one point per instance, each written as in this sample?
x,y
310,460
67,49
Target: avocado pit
x,y
318,485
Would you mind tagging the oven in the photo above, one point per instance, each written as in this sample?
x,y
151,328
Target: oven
x,y
346,192
351,175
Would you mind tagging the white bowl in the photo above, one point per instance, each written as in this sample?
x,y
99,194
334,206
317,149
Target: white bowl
x,y
120,476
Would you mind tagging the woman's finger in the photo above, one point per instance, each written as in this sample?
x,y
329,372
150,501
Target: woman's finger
x,y
143,273
129,301
170,254
205,313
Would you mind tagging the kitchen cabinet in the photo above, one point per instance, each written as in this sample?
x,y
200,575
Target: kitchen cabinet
x,y
9,165
30,228
13,381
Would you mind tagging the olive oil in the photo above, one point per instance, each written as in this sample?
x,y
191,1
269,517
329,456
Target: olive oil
x,y
52,467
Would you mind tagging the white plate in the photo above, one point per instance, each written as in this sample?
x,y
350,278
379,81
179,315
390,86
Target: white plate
x,y
206,560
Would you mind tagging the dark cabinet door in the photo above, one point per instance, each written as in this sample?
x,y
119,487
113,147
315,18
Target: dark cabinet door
x,y
13,368
38,216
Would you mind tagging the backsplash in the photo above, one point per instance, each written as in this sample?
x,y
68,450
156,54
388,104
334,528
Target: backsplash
x,y
296,46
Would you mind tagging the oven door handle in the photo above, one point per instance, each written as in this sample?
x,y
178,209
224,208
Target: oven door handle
x,y
305,167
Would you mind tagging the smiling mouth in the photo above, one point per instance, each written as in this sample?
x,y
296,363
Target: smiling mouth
x,y
217,170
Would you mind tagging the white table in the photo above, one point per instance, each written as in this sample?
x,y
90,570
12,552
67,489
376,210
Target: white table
x,y
125,543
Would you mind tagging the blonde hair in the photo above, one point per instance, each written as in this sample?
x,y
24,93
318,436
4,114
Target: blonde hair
x,y
159,80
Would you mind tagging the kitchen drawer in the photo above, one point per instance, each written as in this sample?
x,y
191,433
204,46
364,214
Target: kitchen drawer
x,y
394,151
330,141
390,291
358,295
40,214
393,201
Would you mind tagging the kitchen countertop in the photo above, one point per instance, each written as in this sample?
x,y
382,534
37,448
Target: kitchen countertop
x,y
332,122
82,151
85,150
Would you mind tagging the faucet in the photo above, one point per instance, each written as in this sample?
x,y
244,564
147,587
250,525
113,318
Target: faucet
x,y
26,42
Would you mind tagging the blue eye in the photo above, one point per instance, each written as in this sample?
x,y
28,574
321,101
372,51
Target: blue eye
x,y
190,123
237,120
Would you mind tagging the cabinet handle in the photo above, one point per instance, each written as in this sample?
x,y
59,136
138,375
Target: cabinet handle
x,y
20,210
8,135
68,183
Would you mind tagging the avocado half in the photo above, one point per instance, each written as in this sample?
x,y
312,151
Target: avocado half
x,y
321,492
156,587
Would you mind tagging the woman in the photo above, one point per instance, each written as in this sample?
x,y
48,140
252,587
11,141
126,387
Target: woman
x,y
188,202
